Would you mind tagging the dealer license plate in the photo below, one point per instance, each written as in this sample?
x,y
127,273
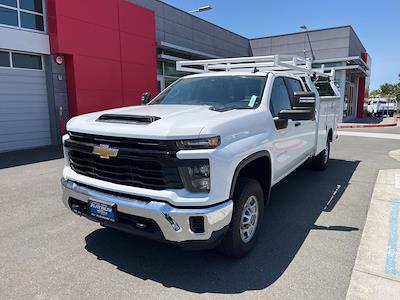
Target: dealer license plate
x,y
102,210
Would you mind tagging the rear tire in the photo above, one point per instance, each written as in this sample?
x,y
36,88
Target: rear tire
x,y
248,211
320,162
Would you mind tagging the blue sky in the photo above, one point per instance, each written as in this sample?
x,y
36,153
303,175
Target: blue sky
x,y
376,23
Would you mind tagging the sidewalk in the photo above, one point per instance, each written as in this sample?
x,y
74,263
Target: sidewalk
x,y
369,122
376,273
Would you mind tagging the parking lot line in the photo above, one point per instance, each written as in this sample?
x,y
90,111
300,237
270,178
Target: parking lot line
x,y
392,244
370,135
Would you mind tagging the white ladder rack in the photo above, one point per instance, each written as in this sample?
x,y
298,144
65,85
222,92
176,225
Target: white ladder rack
x,y
285,63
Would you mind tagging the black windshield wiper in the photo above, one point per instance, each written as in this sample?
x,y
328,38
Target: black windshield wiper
x,y
221,108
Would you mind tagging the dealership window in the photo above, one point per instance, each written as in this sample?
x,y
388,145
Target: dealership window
x,y
4,59
31,5
8,17
12,3
166,69
27,14
26,61
20,60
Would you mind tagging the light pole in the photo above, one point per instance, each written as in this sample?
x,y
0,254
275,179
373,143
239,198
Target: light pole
x,y
201,9
304,27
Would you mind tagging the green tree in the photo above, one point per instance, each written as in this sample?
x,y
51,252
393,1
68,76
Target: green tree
x,y
388,90
375,93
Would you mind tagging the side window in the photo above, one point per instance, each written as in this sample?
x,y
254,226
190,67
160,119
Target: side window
x,y
294,85
279,97
305,84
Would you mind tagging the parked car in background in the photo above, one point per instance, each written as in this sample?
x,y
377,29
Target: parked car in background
x,y
381,107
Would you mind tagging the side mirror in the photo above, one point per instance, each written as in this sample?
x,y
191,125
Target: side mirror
x,y
281,123
304,100
146,98
297,114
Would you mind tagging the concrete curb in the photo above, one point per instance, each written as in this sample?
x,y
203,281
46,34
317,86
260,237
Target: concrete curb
x,y
376,272
343,126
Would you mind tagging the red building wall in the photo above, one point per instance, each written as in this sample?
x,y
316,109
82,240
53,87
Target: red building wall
x,y
362,91
109,48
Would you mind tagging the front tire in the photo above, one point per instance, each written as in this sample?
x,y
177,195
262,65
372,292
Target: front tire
x,y
248,211
320,162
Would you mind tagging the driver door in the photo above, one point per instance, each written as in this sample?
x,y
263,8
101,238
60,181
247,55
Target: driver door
x,y
287,144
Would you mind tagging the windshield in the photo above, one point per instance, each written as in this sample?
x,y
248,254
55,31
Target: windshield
x,y
236,92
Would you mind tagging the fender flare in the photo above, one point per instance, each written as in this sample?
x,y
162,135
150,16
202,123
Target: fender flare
x,y
329,134
244,163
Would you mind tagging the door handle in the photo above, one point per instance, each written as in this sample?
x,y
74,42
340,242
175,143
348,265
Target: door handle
x,y
297,124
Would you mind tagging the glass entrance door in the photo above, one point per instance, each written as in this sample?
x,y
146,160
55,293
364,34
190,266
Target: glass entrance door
x,y
349,100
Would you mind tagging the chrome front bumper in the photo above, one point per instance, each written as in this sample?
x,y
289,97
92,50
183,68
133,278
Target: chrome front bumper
x,y
173,222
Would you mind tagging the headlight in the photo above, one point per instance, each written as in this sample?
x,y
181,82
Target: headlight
x,y
196,177
204,143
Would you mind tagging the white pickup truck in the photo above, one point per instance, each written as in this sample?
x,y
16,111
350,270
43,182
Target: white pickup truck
x,y
381,107
195,165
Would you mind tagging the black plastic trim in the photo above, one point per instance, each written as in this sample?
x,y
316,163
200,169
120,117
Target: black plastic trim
x,y
281,124
244,163
297,115
127,119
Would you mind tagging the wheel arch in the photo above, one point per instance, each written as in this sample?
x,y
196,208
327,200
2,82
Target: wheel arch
x,y
260,162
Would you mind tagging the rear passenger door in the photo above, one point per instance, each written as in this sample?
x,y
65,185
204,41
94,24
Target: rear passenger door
x,y
305,129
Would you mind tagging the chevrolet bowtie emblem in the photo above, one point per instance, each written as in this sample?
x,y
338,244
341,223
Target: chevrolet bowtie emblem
x,y
104,151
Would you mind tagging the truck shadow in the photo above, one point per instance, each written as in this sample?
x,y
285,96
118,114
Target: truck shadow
x,y
296,204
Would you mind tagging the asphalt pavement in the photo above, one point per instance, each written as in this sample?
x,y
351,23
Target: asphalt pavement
x,y
306,250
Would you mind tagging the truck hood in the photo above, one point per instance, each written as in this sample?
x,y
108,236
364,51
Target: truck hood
x,y
165,122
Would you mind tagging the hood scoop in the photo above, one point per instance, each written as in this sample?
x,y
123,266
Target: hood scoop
x,y
127,119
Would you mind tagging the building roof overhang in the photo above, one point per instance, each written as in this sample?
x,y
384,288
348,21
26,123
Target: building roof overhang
x,y
355,63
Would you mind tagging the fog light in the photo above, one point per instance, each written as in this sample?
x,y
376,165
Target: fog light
x,y
197,224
